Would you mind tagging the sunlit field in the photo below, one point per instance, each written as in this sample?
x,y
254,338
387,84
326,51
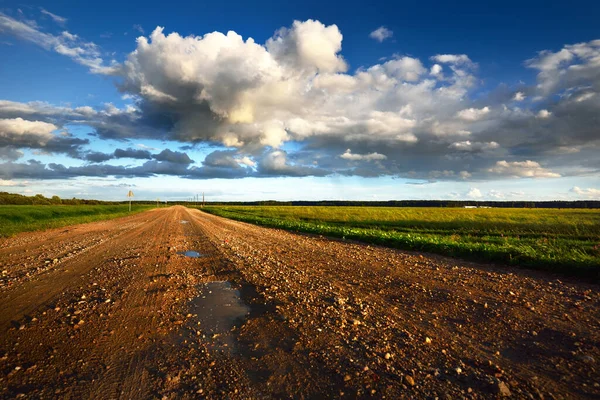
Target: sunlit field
x,y
562,240
22,218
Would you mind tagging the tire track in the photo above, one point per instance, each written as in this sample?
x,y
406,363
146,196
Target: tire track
x,y
52,248
125,375
33,294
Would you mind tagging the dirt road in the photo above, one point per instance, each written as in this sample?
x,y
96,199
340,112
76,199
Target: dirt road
x,y
116,309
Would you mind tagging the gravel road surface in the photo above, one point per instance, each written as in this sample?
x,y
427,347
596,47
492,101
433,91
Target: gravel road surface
x,y
176,303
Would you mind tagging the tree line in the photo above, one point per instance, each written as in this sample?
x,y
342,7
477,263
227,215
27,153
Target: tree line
x,y
18,199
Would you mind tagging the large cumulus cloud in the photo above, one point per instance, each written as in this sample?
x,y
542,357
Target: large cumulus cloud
x,y
404,116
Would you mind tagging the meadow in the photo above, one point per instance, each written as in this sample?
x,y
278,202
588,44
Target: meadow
x,y
559,240
23,218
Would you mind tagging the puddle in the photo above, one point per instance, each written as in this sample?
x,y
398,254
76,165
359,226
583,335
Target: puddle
x,y
217,309
190,253
183,221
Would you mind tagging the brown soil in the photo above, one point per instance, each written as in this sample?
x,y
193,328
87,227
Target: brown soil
x,y
110,310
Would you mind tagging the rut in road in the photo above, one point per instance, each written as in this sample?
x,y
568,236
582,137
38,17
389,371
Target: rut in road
x,y
71,272
122,272
113,317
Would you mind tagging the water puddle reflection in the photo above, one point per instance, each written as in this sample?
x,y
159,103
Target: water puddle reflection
x,y
217,310
190,253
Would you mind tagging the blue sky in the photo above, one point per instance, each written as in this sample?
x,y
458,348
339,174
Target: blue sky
x,y
310,100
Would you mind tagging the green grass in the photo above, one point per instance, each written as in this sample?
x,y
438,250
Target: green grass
x,y
15,219
565,241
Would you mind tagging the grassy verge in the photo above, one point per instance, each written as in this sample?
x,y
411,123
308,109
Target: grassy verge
x,y
564,241
15,219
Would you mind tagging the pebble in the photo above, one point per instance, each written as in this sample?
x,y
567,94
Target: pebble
x,y
586,359
503,389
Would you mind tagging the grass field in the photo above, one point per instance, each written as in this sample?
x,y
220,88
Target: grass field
x,y
15,219
566,240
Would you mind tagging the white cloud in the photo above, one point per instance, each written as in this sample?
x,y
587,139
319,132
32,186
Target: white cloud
x,y
246,161
465,174
452,59
308,44
495,194
543,114
144,147
474,193
473,114
436,70
67,44
519,96
589,192
56,18
566,150
469,146
69,36
381,33
522,169
4,182
362,157
405,68
584,97
293,88
273,135
18,129
276,163
566,68
12,183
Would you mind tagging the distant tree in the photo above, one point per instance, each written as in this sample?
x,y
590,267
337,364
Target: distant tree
x,y
40,199
55,200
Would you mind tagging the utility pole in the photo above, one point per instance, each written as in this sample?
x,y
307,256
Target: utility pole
x,y
202,199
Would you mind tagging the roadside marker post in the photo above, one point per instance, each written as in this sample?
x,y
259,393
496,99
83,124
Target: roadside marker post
x,y
130,195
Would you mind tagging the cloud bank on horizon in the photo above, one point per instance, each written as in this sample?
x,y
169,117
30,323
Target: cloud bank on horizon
x,y
292,107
